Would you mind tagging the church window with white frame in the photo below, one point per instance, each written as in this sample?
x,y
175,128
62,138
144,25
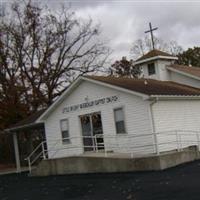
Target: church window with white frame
x,y
151,69
64,126
119,120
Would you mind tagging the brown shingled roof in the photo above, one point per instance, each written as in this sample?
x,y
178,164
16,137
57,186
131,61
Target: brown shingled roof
x,y
149,86
194,71
154,53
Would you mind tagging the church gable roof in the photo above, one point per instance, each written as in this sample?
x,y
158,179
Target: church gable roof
x,y
149,86
154,54
194,72
144,88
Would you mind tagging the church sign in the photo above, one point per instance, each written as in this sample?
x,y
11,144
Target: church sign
x,y
88,104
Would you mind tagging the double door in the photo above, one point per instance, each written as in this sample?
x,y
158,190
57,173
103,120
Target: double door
x,y
92,132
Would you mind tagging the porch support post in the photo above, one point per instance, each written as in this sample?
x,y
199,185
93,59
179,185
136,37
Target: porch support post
x,y
16,148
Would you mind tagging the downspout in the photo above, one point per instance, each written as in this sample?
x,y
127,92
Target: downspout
x,y
153,125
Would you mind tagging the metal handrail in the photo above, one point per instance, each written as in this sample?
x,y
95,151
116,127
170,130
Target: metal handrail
x,y
28,158
36,158
178,140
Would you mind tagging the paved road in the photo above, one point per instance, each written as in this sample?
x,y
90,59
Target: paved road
x,y
182,183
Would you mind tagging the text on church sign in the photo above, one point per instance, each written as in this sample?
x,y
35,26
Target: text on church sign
x,y
97,102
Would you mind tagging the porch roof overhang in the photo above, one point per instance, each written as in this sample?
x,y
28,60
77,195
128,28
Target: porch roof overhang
x,y
27,123
24,127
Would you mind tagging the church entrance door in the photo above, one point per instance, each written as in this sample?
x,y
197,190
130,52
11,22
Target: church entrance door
x,y
92,131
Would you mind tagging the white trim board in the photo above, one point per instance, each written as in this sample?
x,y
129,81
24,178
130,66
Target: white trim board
x,y
156,58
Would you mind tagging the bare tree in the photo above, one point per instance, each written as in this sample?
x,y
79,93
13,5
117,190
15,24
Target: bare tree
x,y
142,46
42,52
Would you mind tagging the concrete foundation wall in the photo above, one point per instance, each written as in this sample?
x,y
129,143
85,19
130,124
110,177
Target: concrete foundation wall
x,y
79,165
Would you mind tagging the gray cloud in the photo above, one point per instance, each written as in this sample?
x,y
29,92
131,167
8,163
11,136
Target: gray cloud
x,y
123,22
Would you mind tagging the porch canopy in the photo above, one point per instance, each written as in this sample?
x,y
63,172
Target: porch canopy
x,y
28,124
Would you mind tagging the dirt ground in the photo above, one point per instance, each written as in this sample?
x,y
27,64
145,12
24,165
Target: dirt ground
x,y
181,182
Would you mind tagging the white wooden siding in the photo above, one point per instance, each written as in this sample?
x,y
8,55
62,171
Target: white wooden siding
x,y
164,74
176,115
136,112
161,72
146,73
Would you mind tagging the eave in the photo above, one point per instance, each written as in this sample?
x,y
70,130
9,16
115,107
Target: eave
x,y
26,126
156,58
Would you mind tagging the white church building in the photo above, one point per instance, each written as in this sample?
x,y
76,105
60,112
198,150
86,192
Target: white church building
x,y
122,114
157,113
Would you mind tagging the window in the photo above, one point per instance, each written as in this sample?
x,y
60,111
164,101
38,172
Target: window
x,y
64,126
151,69
119,120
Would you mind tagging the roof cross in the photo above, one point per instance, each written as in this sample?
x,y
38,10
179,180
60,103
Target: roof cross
x,y
151,31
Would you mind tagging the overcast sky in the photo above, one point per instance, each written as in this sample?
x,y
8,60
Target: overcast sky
x,y
123,22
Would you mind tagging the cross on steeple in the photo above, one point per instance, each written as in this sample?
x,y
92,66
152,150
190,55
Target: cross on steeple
x,y
151,31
